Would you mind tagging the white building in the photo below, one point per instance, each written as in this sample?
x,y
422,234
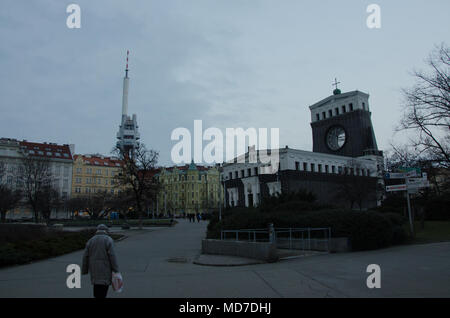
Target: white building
x,y
60,158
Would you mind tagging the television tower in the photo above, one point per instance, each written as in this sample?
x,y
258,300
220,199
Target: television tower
x,y
128,134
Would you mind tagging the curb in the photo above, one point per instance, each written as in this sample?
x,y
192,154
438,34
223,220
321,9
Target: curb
x,y
255,262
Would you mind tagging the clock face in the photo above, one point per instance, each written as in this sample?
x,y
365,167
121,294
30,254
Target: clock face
x,y
336,138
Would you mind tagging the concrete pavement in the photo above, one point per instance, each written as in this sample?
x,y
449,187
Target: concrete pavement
x,y
158,262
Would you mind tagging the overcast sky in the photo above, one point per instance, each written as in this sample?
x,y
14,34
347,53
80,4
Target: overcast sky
x,y
230,63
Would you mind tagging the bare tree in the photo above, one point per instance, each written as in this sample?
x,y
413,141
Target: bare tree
x,y
9,199
47,199
122,203
34,175
137,171
427,107
76,204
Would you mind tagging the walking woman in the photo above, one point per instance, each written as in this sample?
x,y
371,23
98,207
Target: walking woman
x,y
100,261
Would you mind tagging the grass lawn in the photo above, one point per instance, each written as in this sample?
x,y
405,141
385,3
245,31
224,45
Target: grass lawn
x,y
20,245
434,231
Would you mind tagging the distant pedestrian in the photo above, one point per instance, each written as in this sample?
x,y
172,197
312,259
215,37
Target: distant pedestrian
x,y
199,217
100,261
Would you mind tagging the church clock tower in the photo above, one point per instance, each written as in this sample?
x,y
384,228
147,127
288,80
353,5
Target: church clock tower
x,y
341,125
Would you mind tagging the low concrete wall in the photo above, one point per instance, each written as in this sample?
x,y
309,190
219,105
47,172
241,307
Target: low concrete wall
x,y
257,250
336,244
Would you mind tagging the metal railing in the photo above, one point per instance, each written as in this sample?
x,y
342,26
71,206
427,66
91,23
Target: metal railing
x,y
285,238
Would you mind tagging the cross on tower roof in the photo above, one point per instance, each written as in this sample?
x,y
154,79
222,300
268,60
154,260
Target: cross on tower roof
x,y
336,91
336,83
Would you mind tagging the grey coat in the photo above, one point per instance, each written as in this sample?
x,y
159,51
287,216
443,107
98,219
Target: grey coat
x,y
99,259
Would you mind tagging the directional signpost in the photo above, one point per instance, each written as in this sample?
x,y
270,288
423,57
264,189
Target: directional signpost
x,y
411,185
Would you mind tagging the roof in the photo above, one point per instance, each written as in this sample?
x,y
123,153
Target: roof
x,y
99,161
337,97
47,150
185,168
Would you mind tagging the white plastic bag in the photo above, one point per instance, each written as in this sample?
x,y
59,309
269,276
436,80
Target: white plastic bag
x,y
117,282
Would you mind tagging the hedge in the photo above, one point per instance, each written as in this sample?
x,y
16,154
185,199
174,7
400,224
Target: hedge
x,y
24,246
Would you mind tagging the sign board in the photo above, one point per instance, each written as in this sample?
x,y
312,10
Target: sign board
x,y
411,171
421,184
397,187
395,175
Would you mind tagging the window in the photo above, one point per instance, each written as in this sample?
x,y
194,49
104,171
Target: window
x,y
330,113
333,169
340,170
317,117
256,171
231,175
324,115
313,167
242,173
78,170
351,106
326,169
319,167
305,166
297,165
343,109
336,111
249,172
236,174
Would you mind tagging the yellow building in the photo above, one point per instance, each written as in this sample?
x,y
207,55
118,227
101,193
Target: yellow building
x,y
188,189
94,174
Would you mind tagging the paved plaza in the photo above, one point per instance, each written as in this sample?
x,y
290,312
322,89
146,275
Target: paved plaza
x,y
158,262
